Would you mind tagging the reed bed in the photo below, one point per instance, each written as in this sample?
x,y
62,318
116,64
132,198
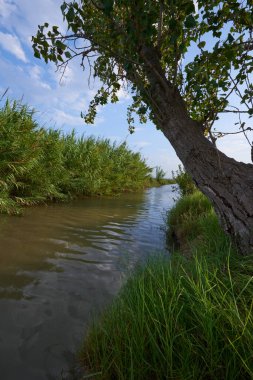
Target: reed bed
x,y
39,165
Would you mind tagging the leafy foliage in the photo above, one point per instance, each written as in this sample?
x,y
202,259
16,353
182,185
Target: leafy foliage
x,y
204,51
39,165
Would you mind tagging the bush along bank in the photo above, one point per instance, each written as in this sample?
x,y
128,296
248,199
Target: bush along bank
x,y
184,317
38,165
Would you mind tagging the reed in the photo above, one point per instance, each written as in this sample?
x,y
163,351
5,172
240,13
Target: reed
x,y
39,165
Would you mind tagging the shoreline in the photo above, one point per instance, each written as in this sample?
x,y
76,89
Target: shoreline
x,y
187,316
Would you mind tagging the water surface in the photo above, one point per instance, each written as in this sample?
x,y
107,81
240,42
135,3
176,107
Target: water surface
x,y
60,265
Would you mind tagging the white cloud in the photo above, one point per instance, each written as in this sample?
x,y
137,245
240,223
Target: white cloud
x,y
64,118
235,146
122,94
22,17
63,76
12,44
142,144
6,8
35,74
139,129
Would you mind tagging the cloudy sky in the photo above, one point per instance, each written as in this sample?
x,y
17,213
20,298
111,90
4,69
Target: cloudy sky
x,y
59,103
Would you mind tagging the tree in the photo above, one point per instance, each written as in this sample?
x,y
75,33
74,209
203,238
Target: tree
x,y
146,46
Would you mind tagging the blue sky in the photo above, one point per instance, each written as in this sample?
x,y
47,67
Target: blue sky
x,y
58,104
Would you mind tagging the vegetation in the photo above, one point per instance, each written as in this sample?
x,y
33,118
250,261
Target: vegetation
x,y
185,317
159,179
39,165
185,63
184,181
159,174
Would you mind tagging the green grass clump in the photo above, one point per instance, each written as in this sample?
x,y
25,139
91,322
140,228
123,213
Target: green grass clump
x,y
186,220
39,165
180,318
177,320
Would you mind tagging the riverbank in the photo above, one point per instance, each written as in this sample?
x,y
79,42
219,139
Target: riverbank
x,y
39,165
185,317
61,265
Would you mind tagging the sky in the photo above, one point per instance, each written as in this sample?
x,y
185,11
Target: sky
x,y
58,103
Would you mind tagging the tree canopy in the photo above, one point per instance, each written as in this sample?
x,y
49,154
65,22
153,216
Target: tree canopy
x,y
204,47
184,62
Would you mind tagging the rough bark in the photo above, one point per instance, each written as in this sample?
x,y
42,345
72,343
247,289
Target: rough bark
x,y
226,182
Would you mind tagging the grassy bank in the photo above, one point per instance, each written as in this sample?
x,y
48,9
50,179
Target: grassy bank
x,y
39,165
188,317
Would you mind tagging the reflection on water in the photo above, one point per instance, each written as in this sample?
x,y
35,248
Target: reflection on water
x,y
61,264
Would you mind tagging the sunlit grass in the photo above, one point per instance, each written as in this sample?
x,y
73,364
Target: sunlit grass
x,y
180,317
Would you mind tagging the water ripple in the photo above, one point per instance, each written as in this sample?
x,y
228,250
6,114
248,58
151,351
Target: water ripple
x,y
62,263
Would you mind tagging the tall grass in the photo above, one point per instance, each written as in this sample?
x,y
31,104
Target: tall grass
x,y
173,320
187,220
180,318
38,165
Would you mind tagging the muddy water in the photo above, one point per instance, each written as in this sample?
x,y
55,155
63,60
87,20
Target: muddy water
x,y
60,265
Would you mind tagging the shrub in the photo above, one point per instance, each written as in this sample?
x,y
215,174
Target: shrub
x,y
184,181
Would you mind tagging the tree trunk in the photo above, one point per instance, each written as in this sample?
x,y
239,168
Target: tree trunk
x,y
226,182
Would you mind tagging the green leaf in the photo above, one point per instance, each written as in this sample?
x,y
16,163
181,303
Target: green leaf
x,y
108,6
60,45
229,54
230,38
202,44
36,53
190,22
63,7
70,15
217,34
188,7
59,58
68,55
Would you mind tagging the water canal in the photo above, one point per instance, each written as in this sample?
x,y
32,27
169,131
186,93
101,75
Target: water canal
x,y
60,265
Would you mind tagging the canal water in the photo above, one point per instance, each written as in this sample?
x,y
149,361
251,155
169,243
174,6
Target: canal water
x,y
60,265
